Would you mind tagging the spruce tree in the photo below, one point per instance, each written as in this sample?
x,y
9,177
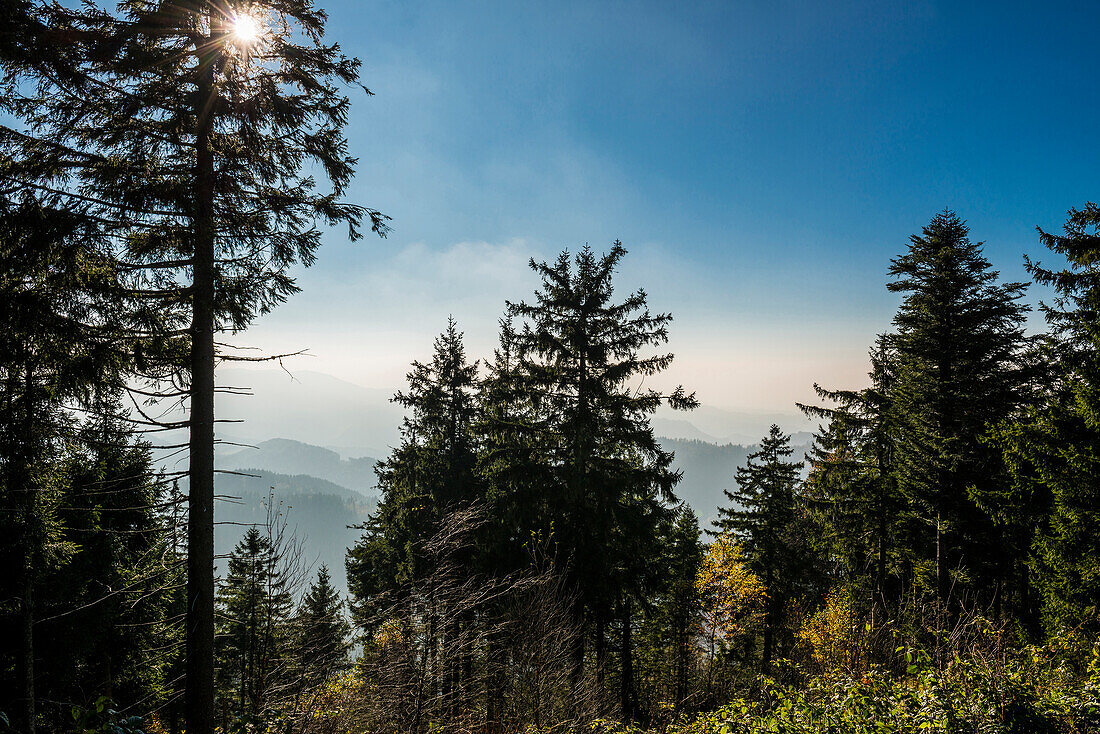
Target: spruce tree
x,y
681,599
512,460
442,402
431,473
578,354
59,303
255,639
193,146
322,647
1053,450
105,630
960,369
762,516
851,492
430,478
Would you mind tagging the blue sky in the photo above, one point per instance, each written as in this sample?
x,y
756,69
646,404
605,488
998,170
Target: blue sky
x,y
761,161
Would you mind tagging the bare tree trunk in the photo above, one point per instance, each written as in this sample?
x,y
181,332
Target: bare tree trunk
x,y
26,607
601,659
577,675
941,584
769,619
26,646
199,686
681,642
880,566
626,679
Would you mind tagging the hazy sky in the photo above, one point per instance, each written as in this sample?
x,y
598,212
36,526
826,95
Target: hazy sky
x,y
761,161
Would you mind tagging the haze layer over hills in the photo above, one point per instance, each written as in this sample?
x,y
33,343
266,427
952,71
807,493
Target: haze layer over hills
x,y
356,421
308,443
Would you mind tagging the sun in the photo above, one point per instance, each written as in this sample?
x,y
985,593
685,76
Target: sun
x,y
246,29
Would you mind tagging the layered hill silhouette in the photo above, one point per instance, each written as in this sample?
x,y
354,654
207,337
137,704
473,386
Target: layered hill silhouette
x,y
322,410
309,443
286,456
323,494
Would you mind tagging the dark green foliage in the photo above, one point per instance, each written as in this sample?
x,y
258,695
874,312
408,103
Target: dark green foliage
x,y
156,186
442,403
555,445
513,460
59,307
763,515
1053,451
1032,691
321,646
851,493
194,152
667,648
105,627
959,348
433,472
126,137
577,352
255,608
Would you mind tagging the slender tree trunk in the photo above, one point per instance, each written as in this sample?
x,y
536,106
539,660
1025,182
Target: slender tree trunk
x,y
1027,605
626,679
494,693
601,657
680,641
577,674
451,665
26,645
940,585
31,541
769,618
466,681
200,514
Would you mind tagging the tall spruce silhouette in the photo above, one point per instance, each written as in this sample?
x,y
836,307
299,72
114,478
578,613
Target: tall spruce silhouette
x,y
579,358
59,309
960,369
255,636
322,648
851,492
1053,450
194,148
762,516
431,473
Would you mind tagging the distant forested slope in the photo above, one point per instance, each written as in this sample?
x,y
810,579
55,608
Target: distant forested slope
x,y
286,456
708,469
308,478
318,512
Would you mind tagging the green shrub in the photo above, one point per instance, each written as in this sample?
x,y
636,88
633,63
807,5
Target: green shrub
x,y
1036,690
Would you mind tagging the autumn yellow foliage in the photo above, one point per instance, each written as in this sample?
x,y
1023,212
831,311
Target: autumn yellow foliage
x,y
835,634
732,596
391,632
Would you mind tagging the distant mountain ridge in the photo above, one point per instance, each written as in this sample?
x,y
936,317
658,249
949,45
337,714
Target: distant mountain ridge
x,y
709,469
253,479
286,456
317,511
322,410
296,468
323,493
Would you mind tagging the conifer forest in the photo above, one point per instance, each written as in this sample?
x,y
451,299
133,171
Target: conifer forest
x,y
929,559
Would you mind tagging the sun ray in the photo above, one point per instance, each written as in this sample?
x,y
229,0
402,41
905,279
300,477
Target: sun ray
x,y
246,29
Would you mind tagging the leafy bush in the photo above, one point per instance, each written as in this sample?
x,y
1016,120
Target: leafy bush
x,y
102,718
1055,688
836,634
